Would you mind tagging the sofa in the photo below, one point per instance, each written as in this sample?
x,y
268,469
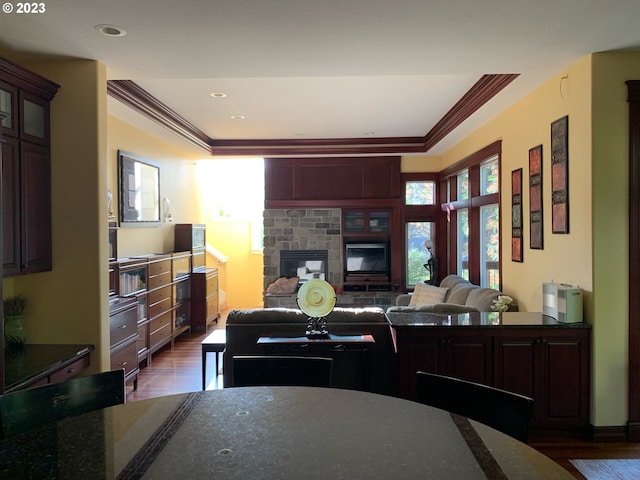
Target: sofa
x,y
245,327
454,295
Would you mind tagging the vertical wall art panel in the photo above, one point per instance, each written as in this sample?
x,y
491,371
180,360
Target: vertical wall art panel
x,y
560,175
536,228
516,215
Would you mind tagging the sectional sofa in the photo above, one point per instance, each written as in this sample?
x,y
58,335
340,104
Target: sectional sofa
x,y
245,327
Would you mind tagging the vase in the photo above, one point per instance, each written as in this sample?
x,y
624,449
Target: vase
x,y
14,331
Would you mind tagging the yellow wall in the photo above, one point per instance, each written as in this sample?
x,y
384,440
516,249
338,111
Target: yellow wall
x,y
610,155
177,183
241,276
420,164
68,304
565,258
594,253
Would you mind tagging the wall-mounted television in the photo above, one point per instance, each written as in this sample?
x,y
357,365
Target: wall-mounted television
x,y
367,258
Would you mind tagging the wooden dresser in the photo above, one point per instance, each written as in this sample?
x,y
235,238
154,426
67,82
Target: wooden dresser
x,y
205,307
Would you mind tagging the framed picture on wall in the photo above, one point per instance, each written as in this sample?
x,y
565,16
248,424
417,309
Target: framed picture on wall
x,y
516,215
536,226
560,175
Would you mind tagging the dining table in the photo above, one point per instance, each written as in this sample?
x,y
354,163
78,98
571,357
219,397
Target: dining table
x,y
271,433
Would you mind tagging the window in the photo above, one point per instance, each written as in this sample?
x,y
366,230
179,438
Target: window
x,y
419,217
474,230
232,191
417,255
420,193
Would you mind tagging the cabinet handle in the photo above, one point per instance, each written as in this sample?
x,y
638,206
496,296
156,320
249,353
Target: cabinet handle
x,y
71,370
122,326
123,364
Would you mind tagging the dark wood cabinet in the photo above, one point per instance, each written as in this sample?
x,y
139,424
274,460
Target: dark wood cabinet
x,y
457,353
289,181
205,307
26,179
552,367
132,282
123,326
159,302
191,237
372,223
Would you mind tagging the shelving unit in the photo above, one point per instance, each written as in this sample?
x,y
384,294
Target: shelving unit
x,y
204,281
361,226
181,290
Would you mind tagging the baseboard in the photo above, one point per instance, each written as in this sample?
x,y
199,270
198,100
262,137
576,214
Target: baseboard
x,y
611,434
633,430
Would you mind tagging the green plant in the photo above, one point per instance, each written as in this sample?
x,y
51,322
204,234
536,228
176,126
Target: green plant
x,y
14,305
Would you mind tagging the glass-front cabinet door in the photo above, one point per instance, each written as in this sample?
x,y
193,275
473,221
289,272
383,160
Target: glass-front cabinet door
x,y
9,106
34,118
366,221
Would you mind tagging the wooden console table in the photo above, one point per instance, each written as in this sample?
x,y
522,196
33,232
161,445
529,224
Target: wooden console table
x,y
334,343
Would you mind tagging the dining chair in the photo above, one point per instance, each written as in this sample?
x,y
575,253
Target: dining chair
x,y
274,370
23,410
505,411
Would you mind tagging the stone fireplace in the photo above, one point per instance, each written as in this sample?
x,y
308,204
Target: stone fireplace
x,y
304,264
311,230
302,230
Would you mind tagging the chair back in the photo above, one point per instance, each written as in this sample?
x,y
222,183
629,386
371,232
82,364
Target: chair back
x,y
505,411
273,370
24,410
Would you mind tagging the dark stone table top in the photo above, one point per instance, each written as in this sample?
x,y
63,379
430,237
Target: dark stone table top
x,y
271,432
478,319
32,361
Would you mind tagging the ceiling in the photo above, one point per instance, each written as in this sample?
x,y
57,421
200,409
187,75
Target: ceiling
x,y
330,71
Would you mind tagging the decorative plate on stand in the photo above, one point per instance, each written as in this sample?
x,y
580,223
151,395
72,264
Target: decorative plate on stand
x,y
316,298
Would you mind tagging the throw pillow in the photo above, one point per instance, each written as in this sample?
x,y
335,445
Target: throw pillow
x,y
283,286
424,294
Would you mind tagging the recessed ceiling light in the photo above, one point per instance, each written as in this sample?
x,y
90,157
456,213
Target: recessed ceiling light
x,y
218,94
111,30
237,117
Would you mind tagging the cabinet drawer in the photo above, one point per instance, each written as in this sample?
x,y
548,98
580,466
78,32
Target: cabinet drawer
x,y
159,308
123,325
143,337
159,280
70,370
212,306
157,268
160,322
160,336
212,284
154,296
126,357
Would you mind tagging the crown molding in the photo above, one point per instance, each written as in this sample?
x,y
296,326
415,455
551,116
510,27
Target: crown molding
x,y
135,97
138,99
28,80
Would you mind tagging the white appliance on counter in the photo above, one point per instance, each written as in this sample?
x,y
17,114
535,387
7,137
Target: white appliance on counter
x,y
562,302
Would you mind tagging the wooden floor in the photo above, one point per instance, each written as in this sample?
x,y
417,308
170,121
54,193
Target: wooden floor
x,y
178,370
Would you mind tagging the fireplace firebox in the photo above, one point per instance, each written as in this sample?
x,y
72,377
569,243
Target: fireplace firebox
x,y
305,264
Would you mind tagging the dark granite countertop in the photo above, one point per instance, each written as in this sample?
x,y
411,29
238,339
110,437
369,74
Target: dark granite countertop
x,y
478,319
37,360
